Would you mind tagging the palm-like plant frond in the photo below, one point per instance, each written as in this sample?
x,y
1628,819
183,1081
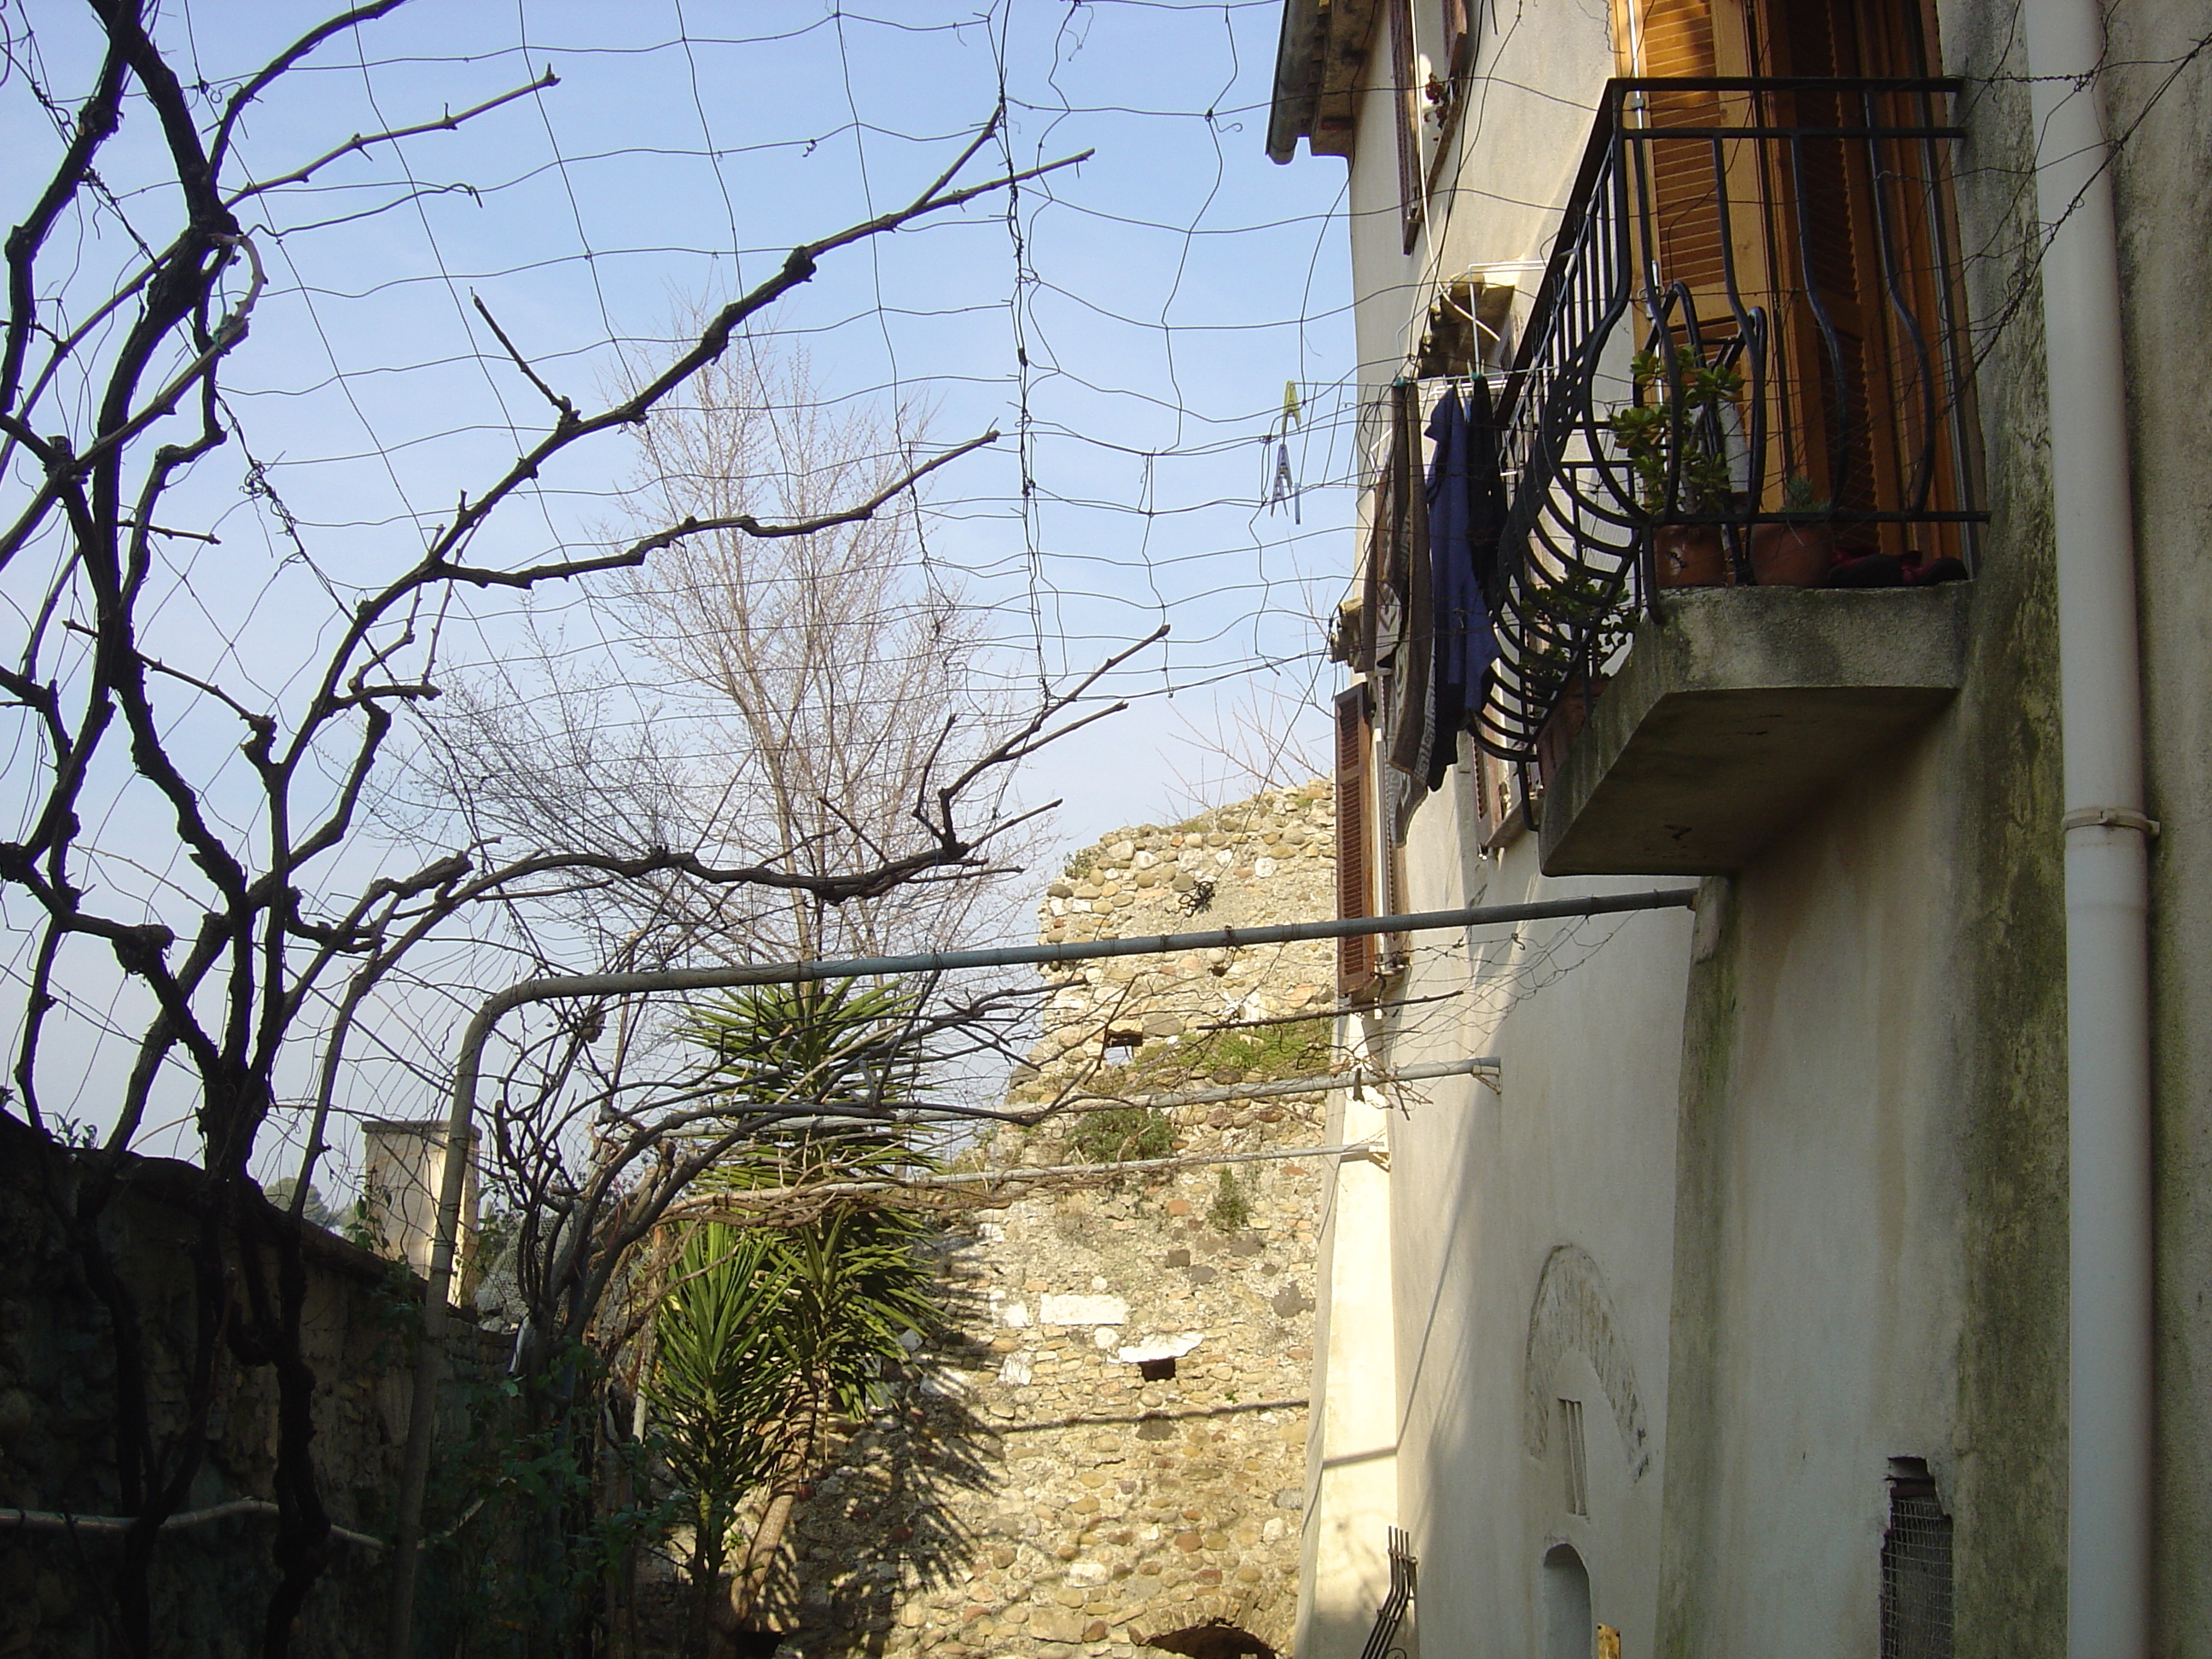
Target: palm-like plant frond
x,y
762,1334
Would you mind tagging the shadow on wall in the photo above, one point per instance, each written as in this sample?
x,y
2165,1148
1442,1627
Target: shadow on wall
x,y
884,1520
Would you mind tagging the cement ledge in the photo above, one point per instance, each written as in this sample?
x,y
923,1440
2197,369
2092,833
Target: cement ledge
x,y
1737,712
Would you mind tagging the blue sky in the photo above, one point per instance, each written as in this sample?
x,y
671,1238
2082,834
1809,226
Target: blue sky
x,y
1130,325
1167,290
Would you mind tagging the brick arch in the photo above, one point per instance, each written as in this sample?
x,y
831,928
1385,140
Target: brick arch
x,y
1208,1627
1572,1311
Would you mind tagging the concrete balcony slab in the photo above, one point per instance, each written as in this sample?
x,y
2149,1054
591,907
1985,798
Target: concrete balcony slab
x,y
1739,712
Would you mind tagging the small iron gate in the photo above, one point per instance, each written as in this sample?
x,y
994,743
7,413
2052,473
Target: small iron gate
x,y
1382,1641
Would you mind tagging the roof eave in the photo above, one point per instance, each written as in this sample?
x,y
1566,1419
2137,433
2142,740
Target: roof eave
x,y
1298,56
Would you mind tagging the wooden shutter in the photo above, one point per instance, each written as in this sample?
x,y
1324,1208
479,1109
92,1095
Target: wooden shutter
x,y
1673,39
1458,38
1355,841
1406,91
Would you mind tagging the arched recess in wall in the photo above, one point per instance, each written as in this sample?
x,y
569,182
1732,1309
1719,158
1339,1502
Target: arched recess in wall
x,y
1569,1629
1573,1312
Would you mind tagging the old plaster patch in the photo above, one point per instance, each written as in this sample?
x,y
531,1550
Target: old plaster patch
x,y
1572,1310
1083,1310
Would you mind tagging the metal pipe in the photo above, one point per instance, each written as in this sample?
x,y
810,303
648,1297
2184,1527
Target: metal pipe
x,y
737,1201
2108,1043
1480,1066
415,1470
1318,1083
64,1521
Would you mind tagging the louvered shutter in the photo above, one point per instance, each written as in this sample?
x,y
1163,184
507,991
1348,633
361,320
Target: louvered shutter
x,y
1674,41
1406,92
1355,816
1458,38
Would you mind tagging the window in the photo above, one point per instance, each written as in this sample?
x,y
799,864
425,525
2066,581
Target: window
x,y
1458,38
1406,85
1575,1455
1498,797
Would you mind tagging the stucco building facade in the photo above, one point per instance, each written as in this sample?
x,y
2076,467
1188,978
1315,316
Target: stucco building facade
x,y
1736,1317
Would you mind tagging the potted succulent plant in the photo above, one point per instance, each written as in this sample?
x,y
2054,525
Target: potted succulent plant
x,y
1592,625
1798,554
1672,434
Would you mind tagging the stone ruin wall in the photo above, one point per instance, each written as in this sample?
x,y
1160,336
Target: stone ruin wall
x,y
1038,1496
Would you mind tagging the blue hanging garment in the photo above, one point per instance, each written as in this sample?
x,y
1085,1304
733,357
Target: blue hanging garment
x,y
1463,541
1486,483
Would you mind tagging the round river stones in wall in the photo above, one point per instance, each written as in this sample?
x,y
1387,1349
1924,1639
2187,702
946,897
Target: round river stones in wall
x,y
1112,1448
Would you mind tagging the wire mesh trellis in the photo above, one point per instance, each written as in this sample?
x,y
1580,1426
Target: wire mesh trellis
x,y
1916,1567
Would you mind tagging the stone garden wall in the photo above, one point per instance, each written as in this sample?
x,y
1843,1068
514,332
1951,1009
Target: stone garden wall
x,y
1109,1459
210,1583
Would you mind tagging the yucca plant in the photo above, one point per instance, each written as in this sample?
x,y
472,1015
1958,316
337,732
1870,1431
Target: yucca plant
x,y
764,1334
717,1378
836,1042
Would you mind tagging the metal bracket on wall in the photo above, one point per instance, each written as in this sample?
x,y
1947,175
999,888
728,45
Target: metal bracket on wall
x,y
2115,817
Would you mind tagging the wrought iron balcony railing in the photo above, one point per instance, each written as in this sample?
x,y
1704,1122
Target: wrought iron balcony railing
x,y
1749,342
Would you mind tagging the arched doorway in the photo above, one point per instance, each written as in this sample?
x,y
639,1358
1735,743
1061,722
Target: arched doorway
x,y
1568,1630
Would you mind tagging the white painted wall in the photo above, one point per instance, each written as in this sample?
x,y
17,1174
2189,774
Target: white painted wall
x,y
1812,1139
1352,1476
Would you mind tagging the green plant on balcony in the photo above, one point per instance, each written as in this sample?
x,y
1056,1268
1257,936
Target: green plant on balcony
x,y
1649,430
1673,438
1584,611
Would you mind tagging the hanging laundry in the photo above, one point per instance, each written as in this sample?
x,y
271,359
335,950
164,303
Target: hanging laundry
x,y
1413,741
1487,500
1462,540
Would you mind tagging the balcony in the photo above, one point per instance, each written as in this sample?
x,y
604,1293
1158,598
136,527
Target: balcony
x,y
1744,369
1726,724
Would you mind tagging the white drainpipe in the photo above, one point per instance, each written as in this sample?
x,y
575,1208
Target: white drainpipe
x,y
2108,1049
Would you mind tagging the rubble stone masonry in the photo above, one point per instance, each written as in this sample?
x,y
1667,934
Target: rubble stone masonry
x,y
1108,1458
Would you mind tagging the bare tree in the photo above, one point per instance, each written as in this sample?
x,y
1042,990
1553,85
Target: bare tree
x,y
1262,736
854,668
803,692
187,838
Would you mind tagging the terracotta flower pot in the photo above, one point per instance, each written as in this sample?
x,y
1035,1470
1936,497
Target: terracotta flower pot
x,y
1568,717
1792,554
1690,555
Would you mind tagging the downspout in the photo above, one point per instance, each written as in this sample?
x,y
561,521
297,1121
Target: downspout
x,y
2108,1043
